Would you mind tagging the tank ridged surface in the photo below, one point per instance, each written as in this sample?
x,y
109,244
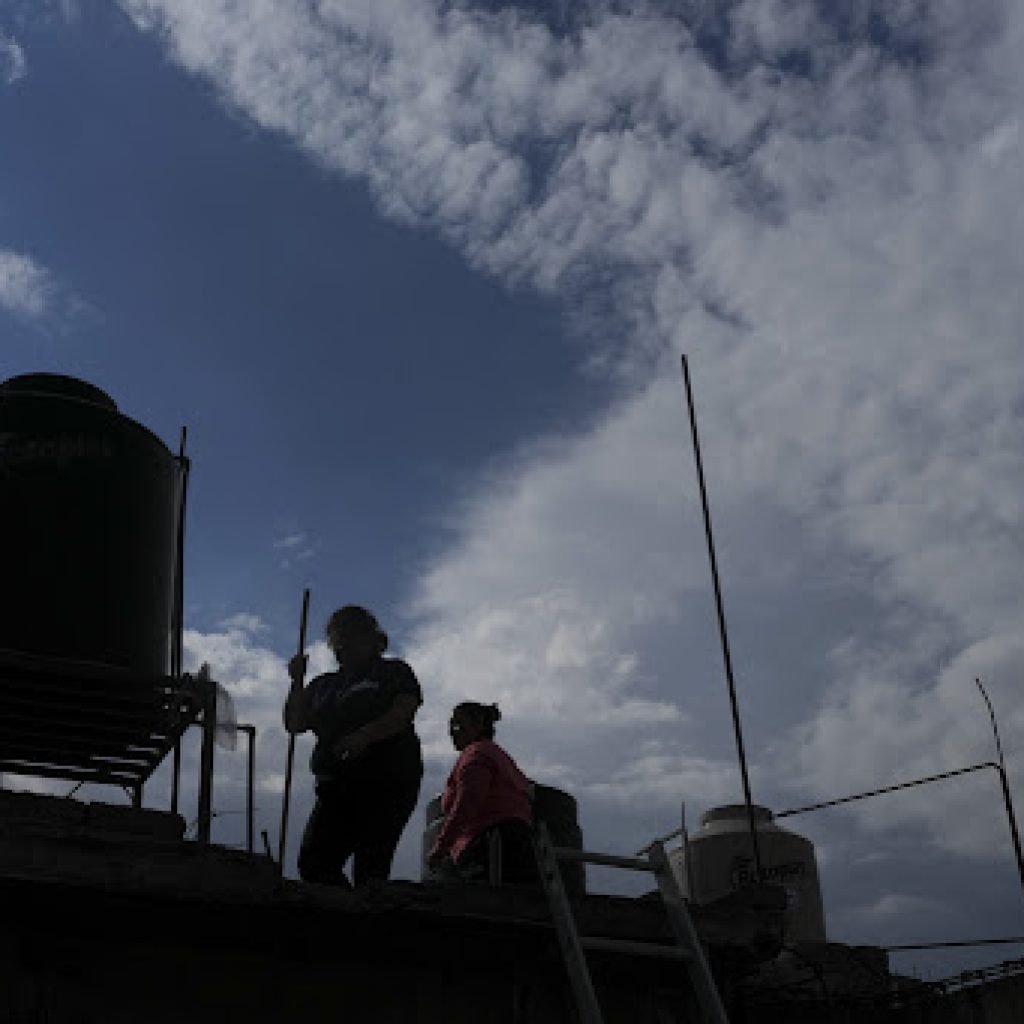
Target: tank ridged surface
x,y
88,506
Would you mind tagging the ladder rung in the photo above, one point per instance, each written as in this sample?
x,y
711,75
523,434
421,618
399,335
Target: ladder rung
x,y
687,946
636,948
608,859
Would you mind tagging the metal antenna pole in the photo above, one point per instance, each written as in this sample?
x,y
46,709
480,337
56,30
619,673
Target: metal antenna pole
x,y
290,760
1015,835
250,775
723,633
179,608
208,695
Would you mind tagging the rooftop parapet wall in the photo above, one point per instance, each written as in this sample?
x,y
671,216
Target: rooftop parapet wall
x,y
109,916
23,814
116,925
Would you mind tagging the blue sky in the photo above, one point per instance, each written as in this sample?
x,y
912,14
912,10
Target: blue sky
x,y
269,310
417,276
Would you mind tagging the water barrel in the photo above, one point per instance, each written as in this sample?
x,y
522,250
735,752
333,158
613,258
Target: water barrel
x,y
556,808
718,859
560,812
88,507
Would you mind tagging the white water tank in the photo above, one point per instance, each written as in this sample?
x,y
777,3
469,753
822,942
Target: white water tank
x,y
720,861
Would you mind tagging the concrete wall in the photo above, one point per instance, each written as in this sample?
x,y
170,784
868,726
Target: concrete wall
x,y
73,958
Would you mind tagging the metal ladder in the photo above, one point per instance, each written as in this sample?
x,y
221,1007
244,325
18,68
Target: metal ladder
x,y
686,947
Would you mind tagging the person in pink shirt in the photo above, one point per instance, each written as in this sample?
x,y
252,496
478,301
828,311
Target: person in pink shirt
x,y
486,796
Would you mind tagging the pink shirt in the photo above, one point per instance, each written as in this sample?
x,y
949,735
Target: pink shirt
x,y
485,787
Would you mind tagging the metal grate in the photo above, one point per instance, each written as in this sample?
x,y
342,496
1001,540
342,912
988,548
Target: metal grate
x,y
87,722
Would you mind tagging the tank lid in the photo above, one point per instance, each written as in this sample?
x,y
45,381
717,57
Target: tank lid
x,y
735,812
56,385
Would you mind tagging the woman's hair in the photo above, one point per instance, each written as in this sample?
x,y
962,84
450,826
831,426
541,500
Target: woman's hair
x,y
354,616
485,715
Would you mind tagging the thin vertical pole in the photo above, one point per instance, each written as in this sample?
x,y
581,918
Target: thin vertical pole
x,y
290,761
1011,817
208,693
250,735
175,776
723,632
691,889
179,607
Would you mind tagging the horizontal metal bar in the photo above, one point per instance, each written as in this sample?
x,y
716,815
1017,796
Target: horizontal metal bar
x,y
60,666
42,750
58,755
43,704
29,731
72,772
887,789
1016,940
136,693
126,681
68,716
16,663
655,949
95,759
83,746
86,735
607,859
130,692
661,840
78,711
42,692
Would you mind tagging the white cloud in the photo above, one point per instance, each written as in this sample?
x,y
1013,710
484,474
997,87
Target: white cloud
x,y
244,622
295,547
13,62
26,287
253,672
828,219
914,733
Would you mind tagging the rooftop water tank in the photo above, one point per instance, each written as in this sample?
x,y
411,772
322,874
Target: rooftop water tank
x,y
718,860
88,507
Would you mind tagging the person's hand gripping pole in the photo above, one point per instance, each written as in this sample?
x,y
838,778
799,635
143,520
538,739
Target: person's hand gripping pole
x,y
297,663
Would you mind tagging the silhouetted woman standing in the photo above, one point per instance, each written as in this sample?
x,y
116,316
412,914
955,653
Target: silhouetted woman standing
x,y
367,760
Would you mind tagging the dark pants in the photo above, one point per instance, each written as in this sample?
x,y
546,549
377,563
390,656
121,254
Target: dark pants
x,y
361,814
518,861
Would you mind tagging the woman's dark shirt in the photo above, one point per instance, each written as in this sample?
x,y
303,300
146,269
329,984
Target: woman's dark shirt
x,y
337,707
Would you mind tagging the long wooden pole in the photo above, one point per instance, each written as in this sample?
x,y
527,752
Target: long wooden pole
x,y
289,763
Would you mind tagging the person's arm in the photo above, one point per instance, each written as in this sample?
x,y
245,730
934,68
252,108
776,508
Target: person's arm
x,y
298,715
396,719
472,783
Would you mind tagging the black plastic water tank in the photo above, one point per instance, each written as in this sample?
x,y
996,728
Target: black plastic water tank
x,y
88,506
560,812
556,808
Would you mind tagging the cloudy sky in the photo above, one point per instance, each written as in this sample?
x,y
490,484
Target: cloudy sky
x,y
417,276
